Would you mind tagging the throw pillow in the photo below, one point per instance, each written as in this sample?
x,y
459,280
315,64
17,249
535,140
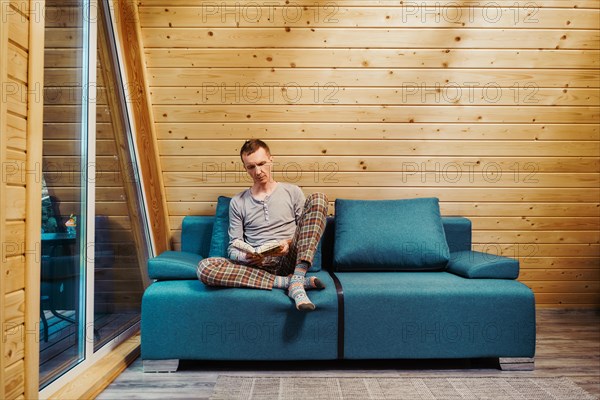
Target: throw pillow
x,y
394,235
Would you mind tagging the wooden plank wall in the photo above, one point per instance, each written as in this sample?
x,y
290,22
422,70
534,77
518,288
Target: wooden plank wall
x,y
491,106
20,122
15,48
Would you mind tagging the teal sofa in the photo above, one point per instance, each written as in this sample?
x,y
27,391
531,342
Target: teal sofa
x,y
472,306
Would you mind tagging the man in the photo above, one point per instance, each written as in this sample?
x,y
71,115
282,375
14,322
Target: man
x,y
269,211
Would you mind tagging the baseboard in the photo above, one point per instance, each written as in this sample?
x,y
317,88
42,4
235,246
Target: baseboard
x,y
90,383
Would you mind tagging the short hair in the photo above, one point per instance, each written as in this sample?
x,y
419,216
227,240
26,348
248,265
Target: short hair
x,y
250,146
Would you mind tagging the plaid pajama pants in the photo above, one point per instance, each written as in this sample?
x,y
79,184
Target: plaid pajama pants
x,y
218,271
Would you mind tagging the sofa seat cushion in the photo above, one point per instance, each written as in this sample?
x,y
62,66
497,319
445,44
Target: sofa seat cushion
x,y
188,320
397,235
435,315
474,264
174,265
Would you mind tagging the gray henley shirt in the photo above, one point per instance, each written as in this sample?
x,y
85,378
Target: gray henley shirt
x,y
274,218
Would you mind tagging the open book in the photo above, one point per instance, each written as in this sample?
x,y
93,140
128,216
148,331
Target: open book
x,y
265,249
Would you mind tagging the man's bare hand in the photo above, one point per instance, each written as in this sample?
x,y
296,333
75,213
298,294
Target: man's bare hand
x,y
283,249
254,260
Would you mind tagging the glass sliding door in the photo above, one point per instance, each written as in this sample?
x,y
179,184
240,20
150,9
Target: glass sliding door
x,y
95,236
120,247
64,168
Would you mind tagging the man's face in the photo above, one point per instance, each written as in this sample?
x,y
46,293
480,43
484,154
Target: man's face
x,y
258,165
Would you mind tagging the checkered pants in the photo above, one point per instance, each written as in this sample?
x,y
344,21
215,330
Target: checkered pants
x,y
218,271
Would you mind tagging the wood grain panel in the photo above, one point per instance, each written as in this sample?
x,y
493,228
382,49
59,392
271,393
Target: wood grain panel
x,y
14,168
591,4
15,202
71,147
72,179
14,381
61,58
368,58
536,223
367,37
332,15
14,304
525,195
14,244
13,273
16,132
390,147
14,347
320,165
559,275
15,94
488,179
17,63
71,130
584,287
392,76
410,94
18,27
69,38
569,237
560,263
567,300
63,16
380,114
390,130
4,43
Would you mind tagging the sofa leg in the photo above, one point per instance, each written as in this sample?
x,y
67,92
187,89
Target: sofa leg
x,y
517,363
160,365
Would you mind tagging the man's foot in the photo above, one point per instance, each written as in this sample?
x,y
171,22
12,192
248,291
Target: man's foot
x,y
297,293
312,282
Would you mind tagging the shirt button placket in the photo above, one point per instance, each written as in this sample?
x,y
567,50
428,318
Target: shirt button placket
x,y
266,210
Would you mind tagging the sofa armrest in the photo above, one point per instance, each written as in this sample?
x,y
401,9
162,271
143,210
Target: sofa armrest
x,y
174,265
474,264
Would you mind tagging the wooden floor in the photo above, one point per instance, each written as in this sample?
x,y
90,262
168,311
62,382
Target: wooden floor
x,y
568,344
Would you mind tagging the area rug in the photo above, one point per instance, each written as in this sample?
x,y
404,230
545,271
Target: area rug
x,y
396,388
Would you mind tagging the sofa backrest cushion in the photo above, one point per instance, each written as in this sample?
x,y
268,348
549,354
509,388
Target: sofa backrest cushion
x,y
220,235
389,235
219,240
195,234
458,233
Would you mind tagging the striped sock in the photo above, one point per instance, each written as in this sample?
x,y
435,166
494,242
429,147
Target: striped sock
x,y
310,282
296,289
